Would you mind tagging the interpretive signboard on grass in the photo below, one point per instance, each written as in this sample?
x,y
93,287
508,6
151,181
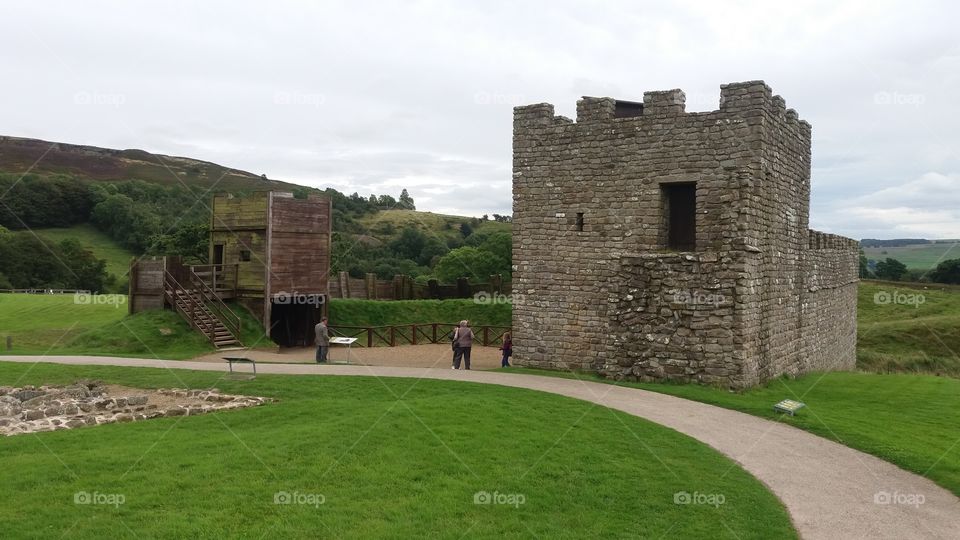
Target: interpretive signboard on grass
x,y
789,406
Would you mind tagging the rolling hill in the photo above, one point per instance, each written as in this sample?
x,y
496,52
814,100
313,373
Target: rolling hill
x,y
18,155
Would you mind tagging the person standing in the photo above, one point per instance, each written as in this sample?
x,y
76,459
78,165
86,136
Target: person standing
x,y
462,342
507,349
323,340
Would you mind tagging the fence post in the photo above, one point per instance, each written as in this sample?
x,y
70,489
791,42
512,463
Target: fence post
x,y
463,288
397,287
413,332
369,337
393,336
434,340
371,283
344,279
486,336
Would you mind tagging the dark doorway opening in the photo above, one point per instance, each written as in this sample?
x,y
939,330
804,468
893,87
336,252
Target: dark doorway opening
x,y
217,254
293,322
680,213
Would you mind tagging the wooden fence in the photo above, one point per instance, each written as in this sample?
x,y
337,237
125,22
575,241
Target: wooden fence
x,y
416,334
45,291
405,288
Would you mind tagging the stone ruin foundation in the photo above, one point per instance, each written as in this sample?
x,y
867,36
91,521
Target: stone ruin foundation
x,y
32,409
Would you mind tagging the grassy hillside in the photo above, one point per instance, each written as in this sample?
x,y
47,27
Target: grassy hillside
x,y
909,329
45,157
916,256
101,245
387,224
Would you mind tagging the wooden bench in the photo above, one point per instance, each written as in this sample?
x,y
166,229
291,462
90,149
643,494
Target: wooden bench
x,y
241,360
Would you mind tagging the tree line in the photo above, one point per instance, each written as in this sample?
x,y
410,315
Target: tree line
x,y
154,219
891,269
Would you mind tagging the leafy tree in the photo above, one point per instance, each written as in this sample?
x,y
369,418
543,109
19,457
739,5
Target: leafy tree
x,y
406,201
409,244
891,269
87,272
947,272
432,250
864,266
469,262
5,282
41,201
28,262
386,202
501,245
465,229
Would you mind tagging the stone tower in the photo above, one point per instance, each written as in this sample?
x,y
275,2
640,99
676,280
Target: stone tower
x,y
652,243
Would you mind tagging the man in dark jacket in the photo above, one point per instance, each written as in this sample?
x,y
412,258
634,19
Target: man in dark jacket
x,y
323,340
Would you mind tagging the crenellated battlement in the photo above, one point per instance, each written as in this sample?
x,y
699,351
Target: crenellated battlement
x,y
750,99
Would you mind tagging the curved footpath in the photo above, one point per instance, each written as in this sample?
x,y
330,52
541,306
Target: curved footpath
x,y
828,489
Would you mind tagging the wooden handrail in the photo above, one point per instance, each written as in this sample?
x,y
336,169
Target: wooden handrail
x,y
229,319
207,329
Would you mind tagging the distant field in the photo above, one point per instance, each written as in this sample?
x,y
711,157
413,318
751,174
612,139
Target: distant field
x,y
916,256
101,245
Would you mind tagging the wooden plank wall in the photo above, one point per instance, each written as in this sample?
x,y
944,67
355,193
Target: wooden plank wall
x,y
241,224
300,245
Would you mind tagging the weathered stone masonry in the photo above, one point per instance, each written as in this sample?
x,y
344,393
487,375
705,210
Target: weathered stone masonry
x,y
601,282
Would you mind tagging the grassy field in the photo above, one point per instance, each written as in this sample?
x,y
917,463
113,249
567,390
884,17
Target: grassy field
x,y
362,458
917,256
101,245
908,329
58,324
912,421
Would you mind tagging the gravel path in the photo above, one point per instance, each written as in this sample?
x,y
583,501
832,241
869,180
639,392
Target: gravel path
x,y
421,356
830,490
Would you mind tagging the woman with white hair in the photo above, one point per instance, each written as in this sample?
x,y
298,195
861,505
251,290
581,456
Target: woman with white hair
x,y
462,341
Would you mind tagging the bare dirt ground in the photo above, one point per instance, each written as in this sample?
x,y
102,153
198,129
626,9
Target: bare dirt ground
x,y
422,356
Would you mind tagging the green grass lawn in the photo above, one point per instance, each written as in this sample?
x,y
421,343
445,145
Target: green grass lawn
x,y
916,256
394,458
908,329
912,421
98,243
56,324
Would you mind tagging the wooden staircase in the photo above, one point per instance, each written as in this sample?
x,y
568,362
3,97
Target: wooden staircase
x,y
203,309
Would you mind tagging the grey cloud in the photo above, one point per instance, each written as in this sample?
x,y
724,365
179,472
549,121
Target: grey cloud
x,y
365,97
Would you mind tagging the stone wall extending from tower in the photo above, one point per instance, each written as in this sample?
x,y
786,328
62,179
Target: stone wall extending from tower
x,y
600,280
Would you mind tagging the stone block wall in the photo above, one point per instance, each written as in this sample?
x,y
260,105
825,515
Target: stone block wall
x,y
595,285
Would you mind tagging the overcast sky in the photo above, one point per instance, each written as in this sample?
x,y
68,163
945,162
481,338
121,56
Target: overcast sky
x,y
378,96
